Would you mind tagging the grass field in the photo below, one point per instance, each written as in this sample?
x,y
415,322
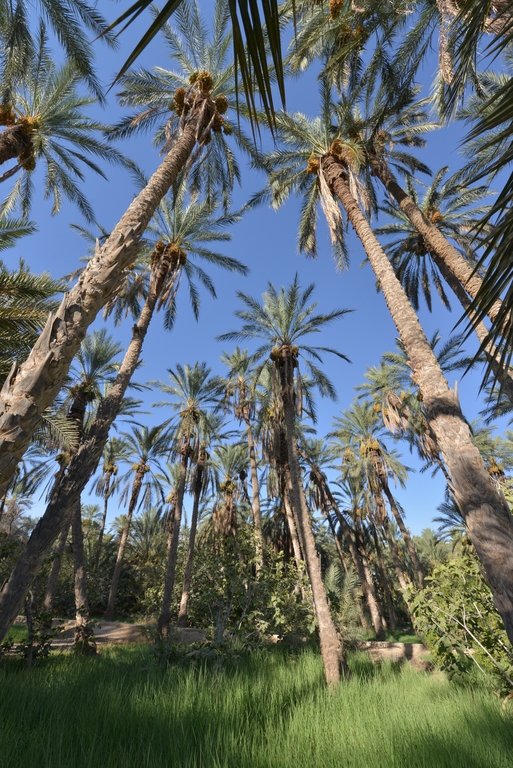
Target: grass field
x,y
123,710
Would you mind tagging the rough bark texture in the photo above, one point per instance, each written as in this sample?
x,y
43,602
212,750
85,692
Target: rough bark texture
x,y
394,551
187,578
30,389
332,650
454,261
81,467
487,516
14,141
84,635
172,555
136,489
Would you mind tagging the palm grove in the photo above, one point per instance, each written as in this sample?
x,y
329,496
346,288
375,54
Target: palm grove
x,y
287,532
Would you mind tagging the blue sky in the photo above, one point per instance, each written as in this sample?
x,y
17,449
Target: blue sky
x,y
265,240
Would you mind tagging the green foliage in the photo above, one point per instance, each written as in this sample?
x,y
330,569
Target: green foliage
x,y
343,591
457,617
228,595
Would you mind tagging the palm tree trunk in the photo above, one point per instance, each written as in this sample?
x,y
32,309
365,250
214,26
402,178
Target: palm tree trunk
x,y
410,546
505,377
187,578
293,528
84,636
364,574
136,489
14,141
106,489
373,603
396,558
454,261
163,625
255,505
31,388
487,517
82,465
332,650
392,620
55,569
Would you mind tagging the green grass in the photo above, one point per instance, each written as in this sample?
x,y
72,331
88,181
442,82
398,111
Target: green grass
x,y
271,711
17,634
398,636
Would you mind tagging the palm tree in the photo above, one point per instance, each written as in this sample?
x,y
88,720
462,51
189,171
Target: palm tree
x,y
195,49
167,261
46,124
146,446
240,395
487,517
115,451
40,378
358,436
282,320
194,393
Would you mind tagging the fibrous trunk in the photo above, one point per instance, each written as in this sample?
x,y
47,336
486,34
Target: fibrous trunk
x,y
187,578
84,636
172,554
332,650
487,517
31,388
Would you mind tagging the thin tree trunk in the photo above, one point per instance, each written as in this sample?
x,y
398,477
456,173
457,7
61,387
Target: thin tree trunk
x,y
31,388
84,636
337,544
108,477
392,620
55,569
293,528
257,514
376,611
410,546
487,516
332,650
187,578
454,261
82,465
136,489
163,625
403,580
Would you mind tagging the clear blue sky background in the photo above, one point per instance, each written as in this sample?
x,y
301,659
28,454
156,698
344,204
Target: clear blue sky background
x,y
266,241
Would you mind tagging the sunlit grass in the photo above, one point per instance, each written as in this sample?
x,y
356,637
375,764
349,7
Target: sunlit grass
x,y
270,711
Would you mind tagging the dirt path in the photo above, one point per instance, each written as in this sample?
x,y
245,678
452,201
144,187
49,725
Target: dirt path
x,y
415,653
120,633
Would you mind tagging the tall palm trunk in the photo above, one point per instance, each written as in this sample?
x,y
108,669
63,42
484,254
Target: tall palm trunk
x,y
293,526
15,140
31,388
106,491
55,570
84,637
82,465
172,554
364,574
332,650
134,497
255,501
454,261
487,517
376,611
392,620
187,578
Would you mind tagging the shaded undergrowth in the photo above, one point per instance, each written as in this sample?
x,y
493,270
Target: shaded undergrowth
x,y
270,711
